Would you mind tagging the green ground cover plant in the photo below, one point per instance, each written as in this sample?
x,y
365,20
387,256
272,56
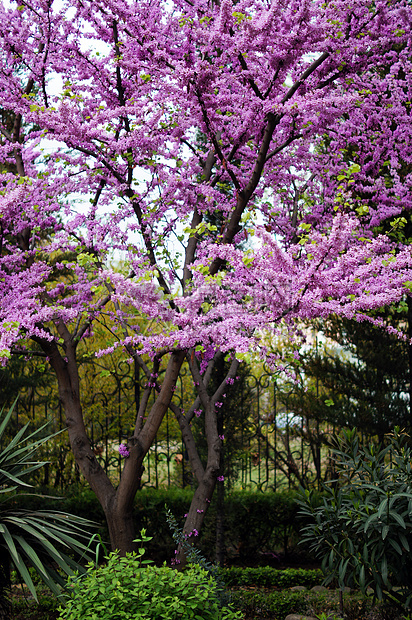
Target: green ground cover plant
x,y
275,605
46,608
256,604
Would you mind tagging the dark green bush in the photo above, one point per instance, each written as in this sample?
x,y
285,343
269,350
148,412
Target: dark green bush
x,y
363,529
266,576
274,605
250,538
260,527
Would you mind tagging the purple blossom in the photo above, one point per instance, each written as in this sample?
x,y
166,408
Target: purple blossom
x,y
220,478
123,451
129,153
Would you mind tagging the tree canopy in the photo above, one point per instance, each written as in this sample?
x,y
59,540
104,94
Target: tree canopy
x,y
231,153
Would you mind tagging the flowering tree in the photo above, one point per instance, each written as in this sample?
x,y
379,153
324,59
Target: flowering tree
x,y
207,145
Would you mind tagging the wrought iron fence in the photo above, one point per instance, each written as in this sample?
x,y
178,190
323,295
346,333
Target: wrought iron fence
x,y
267,447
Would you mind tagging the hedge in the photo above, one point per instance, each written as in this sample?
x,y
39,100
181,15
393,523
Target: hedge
x,y
274,605
261,528
268,577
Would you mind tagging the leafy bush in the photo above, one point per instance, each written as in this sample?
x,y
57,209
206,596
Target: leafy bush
x,y
264,605
274,605
126,588
249,535
267,576
363,528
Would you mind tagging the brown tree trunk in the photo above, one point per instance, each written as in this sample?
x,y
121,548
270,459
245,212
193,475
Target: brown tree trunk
x,y
409,302
197,512
121,528
220,518
207,477
116,503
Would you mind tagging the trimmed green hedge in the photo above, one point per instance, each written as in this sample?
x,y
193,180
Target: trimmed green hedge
x,y
274,605
268,577
260,527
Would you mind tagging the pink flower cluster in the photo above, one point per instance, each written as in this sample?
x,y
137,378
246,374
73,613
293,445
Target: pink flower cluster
x,y
123,451
210,112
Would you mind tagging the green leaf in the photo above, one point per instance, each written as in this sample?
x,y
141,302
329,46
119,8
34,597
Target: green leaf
x,y
32,555
404,542
8,539
396,546
382,507
6,418
384,570
371,519
399,519
21,567
342,571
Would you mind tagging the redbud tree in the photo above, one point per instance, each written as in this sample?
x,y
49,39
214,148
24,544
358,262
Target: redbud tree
x,y
236,158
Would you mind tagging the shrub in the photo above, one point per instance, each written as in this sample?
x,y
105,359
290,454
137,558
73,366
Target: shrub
x,y
248,535
274,605
267,577
125,588
363,529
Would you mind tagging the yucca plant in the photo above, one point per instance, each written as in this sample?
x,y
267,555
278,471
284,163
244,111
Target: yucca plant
x,y
44,540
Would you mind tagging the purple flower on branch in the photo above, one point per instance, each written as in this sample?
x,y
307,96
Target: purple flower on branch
x,y
220,478
123,451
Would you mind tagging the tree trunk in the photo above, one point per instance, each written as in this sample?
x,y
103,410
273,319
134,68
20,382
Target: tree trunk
x,y
409,302
121,529
116,503
220,506
208,476
220,524
197,512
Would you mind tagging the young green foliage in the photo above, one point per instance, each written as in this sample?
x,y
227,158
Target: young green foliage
x,y
126,588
